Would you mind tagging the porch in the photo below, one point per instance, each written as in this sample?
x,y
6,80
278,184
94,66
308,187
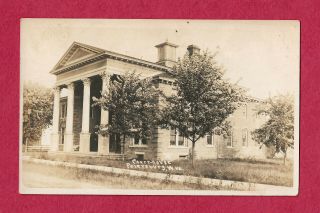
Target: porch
x,y
76,121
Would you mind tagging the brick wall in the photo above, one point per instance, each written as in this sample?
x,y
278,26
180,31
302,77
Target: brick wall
x,y
243,121
166,152
149,151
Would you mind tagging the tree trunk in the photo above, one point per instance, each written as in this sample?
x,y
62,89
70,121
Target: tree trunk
x,y
122,146
284,158
26,146
192,153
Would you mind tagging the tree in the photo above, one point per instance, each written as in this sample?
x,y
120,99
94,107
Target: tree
x,y
37,111
278,131
203,100
133,104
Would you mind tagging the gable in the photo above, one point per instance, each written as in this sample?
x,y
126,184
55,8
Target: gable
x,y
79,54
76,53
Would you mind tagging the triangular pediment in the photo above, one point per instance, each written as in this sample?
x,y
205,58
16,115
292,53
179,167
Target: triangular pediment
x,y
77,52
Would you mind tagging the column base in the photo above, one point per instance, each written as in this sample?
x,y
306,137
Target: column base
x,y
68,142
84,143
55,142
103,145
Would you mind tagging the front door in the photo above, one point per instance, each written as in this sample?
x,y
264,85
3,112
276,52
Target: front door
x,y
61,141
115,143
93,142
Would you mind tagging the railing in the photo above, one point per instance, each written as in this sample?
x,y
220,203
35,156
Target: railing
x,y
38,148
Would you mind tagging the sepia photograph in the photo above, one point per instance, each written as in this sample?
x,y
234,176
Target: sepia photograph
x,y
159,107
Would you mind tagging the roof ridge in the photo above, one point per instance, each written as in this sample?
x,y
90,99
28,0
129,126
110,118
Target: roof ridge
x,y
88,46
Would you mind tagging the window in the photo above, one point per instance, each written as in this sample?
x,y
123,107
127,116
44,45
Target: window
x,y
140,156
180,140
137,141
210,140
63,110
244,137
232,140
244,110
229,141
173,137
177,139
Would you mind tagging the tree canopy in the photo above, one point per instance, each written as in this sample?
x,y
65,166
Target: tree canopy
x,y
133,106
203,99
278,131
37,111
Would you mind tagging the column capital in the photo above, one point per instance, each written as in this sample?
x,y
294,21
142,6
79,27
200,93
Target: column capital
x,y
105,75
70,85
56,89
86,81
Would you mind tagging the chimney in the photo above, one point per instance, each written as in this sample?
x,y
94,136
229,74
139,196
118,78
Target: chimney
x,y
193,49
167,54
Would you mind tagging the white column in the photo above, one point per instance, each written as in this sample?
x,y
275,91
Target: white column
x,y
55,120
103,141
68,145
85,134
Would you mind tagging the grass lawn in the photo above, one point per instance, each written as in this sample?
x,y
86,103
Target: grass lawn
x,y
270,171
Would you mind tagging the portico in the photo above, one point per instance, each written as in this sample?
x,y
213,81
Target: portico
x,y
75,130
83,72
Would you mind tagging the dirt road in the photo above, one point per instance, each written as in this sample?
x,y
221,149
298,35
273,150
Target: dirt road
x,y
43,176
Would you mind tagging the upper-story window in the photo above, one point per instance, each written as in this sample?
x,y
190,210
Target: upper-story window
x,y
177,139
245,110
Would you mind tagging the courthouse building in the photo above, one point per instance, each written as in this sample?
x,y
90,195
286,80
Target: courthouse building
x,y
84,71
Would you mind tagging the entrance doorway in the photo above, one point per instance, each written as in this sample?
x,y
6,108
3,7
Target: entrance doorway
x,y
93,142
115,143
61,141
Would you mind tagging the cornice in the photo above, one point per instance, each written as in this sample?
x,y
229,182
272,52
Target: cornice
x,y
78,64
110,55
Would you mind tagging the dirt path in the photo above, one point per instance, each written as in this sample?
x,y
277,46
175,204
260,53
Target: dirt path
x,y
43,176
35,179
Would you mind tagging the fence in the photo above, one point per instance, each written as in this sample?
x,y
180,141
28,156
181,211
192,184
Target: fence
x,y
38,148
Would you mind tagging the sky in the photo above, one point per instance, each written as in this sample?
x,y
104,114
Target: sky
x,y
262,56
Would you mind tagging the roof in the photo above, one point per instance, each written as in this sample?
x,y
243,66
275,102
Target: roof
x,y
80,54
166,43
249,98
